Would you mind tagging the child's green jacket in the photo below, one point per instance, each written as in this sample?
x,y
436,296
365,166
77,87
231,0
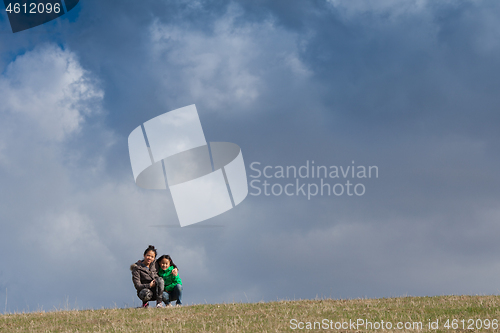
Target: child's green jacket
x,y
170,280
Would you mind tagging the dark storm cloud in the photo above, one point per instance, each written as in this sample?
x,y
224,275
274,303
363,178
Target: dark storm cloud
x,y
407,86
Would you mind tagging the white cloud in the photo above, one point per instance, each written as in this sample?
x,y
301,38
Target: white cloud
x,y
46,97
394,7
71,217
48,92
64,234
391,8
223,65
215,66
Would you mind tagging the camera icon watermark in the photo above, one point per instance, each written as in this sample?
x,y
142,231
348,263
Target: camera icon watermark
x,y
205,179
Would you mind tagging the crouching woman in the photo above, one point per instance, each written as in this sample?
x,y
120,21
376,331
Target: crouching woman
x,y
148,284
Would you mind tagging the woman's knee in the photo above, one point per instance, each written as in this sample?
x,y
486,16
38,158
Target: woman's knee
x,y
145,295
160,283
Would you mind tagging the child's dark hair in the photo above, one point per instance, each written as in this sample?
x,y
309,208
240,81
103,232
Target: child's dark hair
x,y
150,248
166,256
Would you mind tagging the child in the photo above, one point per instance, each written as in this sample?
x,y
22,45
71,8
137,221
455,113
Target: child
x,y
173,284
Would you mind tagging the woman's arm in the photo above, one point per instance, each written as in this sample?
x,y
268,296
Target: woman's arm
x,y
136,279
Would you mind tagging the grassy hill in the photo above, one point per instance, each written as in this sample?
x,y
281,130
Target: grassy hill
x,y
449,313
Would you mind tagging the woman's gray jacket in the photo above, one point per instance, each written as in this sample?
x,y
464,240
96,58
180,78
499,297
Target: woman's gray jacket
x,y
142,276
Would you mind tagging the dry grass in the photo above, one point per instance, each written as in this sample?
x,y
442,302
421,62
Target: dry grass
x,y
265,317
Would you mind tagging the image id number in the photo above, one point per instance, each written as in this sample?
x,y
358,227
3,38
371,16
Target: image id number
x,y
33,8
471,324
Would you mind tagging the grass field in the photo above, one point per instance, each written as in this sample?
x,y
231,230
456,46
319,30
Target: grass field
x,y
462,313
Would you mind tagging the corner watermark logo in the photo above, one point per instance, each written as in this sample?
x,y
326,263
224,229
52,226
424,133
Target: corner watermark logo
x,y
27,14
205,179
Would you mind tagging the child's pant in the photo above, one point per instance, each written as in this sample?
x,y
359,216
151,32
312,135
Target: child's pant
x,y
175,294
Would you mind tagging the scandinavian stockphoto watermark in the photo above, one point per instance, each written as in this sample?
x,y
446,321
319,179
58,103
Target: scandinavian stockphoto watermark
x,y
205,179
310,180
27,14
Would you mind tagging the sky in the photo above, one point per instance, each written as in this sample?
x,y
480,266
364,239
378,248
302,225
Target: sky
x,y
408,86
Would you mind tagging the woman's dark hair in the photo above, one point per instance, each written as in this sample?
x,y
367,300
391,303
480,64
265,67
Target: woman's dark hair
x,y
166,256
150,248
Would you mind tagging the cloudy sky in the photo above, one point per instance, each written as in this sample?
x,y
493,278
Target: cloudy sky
x,y
408,86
